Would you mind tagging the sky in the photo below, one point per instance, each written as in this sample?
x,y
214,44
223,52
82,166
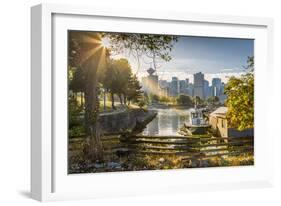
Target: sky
x,y
215,57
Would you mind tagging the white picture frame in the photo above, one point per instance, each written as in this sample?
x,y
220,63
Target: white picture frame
x,y
49,179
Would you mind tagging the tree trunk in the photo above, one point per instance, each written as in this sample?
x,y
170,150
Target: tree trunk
x,y
125,100
112,100
75,98
91,113
104,99
120,98
82,99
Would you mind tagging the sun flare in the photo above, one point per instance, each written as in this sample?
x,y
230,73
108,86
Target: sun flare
x,y
105,42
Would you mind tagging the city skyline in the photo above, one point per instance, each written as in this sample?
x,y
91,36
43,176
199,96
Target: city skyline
x,y
213,56
174,87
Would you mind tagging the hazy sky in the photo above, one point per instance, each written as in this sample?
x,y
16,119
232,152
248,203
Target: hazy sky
x,y
215,57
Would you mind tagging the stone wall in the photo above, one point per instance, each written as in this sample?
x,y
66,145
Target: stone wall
x,y
127,120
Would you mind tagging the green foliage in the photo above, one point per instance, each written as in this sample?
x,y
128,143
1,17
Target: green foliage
x,y
240,99
141,103
75,121
115,77
118,79
164,99
198,101
151,45
78,80
213,100
184,100
154,98
133,90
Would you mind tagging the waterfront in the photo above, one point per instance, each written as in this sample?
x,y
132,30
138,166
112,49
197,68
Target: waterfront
x,y
128,117
167,122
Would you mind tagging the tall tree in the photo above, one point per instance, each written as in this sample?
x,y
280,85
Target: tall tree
x,y
86,51
133,90
116,77
240,99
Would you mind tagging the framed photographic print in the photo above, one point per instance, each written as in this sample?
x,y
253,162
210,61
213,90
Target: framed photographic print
x,y
134,102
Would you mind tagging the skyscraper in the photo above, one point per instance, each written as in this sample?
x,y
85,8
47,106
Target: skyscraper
x,y
183,86
199,85
206,89
174,87
216,87
164,88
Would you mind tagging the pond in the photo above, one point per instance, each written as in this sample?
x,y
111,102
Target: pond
x,y
167,122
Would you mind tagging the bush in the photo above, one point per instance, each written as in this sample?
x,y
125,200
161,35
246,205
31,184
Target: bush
x,y
184,100
141,103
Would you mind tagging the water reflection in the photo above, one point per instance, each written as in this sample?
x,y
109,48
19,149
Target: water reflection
x,y
167,122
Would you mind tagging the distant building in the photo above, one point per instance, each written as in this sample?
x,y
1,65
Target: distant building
x,y
190,89
174,87
183,86
222,96
164,88
219,123
199,85
207,89
163,83
216,87
150,82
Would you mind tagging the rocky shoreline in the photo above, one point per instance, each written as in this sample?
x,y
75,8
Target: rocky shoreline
x,y
125,121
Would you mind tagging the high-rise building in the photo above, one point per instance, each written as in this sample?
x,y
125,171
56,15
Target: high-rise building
x,y
206,89
190,89
183,86
174,87
163,83
199,85
164,87
216,87
222,96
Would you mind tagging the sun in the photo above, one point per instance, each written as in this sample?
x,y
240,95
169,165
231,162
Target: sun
x,y
105,42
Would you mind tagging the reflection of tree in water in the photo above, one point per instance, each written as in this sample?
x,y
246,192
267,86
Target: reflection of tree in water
x,y
153,127
174,122
167,122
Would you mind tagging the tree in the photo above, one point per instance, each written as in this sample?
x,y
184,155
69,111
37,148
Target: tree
x,y
154,98
156,47
213,100
197,101
184,100
85,51
77,83
133,90
116,78
240,99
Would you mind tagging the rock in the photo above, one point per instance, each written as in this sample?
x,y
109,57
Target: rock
x,y
194,163
125,120
123,152
113,165
161,160
205,163
98,166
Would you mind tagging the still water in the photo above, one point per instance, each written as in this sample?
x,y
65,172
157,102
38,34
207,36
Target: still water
x,y
167,122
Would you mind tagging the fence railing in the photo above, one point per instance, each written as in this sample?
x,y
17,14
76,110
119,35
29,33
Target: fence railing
x,y
188,147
